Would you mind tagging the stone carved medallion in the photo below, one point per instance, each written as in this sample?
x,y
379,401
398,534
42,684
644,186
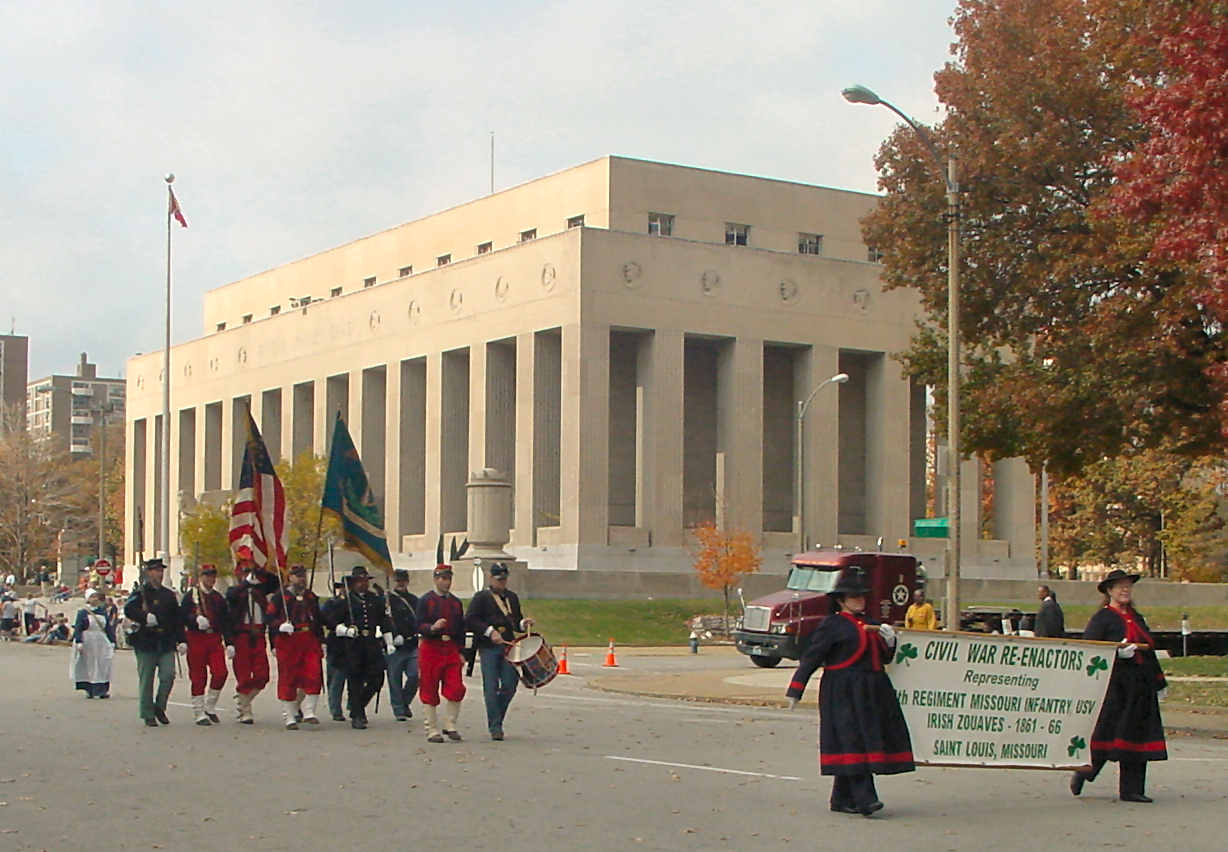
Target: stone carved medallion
x,y
415,313
187,370
632,272
140,381
788,291
456,301
861,298
549,274
241,355
710,282
501,288
373,320
215,364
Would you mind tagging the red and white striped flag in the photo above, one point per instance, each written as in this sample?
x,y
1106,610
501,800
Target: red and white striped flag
x,y
258,519
174,209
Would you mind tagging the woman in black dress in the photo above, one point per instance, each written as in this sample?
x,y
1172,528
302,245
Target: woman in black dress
x,y
1129,729
861,728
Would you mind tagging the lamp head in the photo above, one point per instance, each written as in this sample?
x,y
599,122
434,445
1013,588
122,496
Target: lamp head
x,y
860,95
839,378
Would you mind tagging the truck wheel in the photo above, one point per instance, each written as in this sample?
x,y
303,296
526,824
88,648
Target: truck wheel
x,y
766,662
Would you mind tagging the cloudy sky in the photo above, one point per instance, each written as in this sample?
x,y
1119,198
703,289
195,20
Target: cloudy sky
x,y
296,126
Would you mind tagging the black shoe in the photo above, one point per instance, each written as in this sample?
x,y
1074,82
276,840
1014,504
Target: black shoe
x,y
873,807
312,721
1136,797
1077,780
358,724
454,736
844,809
401,718
151,723
160,715
409,714
104,695
204,722
497,736
298,717
435,738
247,721
338,717
213,717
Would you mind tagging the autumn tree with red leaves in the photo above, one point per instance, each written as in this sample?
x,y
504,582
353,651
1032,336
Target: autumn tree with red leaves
x,y
723,558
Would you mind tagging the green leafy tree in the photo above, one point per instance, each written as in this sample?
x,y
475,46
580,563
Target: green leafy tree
x,y
303,480
1078,345
204,536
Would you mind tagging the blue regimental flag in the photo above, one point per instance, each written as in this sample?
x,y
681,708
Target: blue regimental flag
x,y
347,494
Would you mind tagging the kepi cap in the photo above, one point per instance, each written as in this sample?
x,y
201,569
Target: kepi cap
x,y
499,569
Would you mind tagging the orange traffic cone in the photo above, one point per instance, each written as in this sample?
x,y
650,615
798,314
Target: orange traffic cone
x,y
563,669
609,656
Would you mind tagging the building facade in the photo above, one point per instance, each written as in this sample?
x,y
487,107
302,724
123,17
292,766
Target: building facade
x,y
14,366
68,409
626,341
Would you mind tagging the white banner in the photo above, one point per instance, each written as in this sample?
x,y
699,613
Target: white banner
x,y
984,699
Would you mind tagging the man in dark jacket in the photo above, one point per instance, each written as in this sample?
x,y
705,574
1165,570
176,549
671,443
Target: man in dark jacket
x,y
494,619
1049,621
159,635
401,644
332,612
363,620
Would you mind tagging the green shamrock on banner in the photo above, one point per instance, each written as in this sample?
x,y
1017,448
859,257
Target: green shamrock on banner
x,y
1077,744
908,651
1097,664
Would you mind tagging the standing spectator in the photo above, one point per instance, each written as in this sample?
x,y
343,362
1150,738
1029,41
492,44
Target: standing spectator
x,y
920,615
1049,621
10,580
30,610
10,613
44,579
93,647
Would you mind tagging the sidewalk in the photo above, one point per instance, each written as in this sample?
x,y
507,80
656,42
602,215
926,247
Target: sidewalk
x,y
741,683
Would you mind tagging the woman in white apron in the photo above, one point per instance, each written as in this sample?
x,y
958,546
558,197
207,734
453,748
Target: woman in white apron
x,y
93,647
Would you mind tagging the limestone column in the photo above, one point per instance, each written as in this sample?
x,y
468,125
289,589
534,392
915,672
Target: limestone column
x,y
970,510
392,455
740,433
198,483
888,403
524,533
152,487
1015,508
229,469
821,440
321,418
477,406
434,443
662,367
287,423
584,451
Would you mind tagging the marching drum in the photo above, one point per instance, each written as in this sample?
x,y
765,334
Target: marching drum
x,y
534,659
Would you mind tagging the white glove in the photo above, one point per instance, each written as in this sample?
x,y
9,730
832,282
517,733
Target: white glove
x,y
1162,694
286,627
792,703
345,632
398,641
202,622
388,642
887,632
182,647
151,620
1126,652
230,652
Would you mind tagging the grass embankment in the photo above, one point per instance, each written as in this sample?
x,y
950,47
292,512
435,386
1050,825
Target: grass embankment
x,y
1194,693
1159,617
655,622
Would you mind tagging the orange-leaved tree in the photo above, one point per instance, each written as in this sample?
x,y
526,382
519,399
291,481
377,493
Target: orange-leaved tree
x,y
724,557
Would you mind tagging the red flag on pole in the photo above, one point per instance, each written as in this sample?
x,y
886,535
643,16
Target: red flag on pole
x,y
175,210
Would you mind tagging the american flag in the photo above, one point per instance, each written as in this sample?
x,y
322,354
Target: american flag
x,y
258,519
173,209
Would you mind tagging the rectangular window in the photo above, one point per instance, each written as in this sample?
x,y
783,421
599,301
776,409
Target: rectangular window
x,y
576,222
443,260
336,291
275,310
809,243
368,282
530,234
874,255
737,235
247,318
484,248
221,326
406,271
660,224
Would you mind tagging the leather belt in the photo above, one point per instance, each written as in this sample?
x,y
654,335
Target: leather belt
x,y
302,629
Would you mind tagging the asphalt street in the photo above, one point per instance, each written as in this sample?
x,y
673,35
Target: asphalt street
x,y
580,769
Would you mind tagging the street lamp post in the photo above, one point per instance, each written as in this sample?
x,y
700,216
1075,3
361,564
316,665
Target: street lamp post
x,y
862,95
802,408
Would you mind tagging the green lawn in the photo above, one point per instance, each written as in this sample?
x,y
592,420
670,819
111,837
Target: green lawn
x,y
1159,617
1196,666
655,622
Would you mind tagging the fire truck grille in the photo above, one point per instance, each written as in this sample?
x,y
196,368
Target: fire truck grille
x,y
757,618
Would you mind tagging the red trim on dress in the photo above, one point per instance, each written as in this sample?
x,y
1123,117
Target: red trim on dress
x,y
852,758
796,684
1126,745
1134,632
861,645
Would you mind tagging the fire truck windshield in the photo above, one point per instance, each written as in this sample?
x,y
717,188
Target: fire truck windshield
x,y
819,579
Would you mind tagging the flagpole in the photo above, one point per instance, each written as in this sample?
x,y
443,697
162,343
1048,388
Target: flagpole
x,y
166,386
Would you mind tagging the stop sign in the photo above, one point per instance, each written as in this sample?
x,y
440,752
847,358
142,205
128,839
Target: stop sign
x,y
103,567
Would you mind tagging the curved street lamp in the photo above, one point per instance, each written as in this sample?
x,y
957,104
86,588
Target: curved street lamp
x,y
862,95
802,408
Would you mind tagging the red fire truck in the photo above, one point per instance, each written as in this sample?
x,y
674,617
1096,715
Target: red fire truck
x,y
779,625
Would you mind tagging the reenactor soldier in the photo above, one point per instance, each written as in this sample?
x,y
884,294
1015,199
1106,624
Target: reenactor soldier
x,y
248,602
363,621
297,630
401,644
158,636
441,624
207,619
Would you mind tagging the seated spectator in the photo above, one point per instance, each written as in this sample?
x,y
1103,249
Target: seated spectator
x,y
54,631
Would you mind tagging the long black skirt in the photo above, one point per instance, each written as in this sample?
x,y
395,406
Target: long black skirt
x,y
1129,727
861,727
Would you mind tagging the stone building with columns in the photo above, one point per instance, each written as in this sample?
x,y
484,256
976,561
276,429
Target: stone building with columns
x,y
626,341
